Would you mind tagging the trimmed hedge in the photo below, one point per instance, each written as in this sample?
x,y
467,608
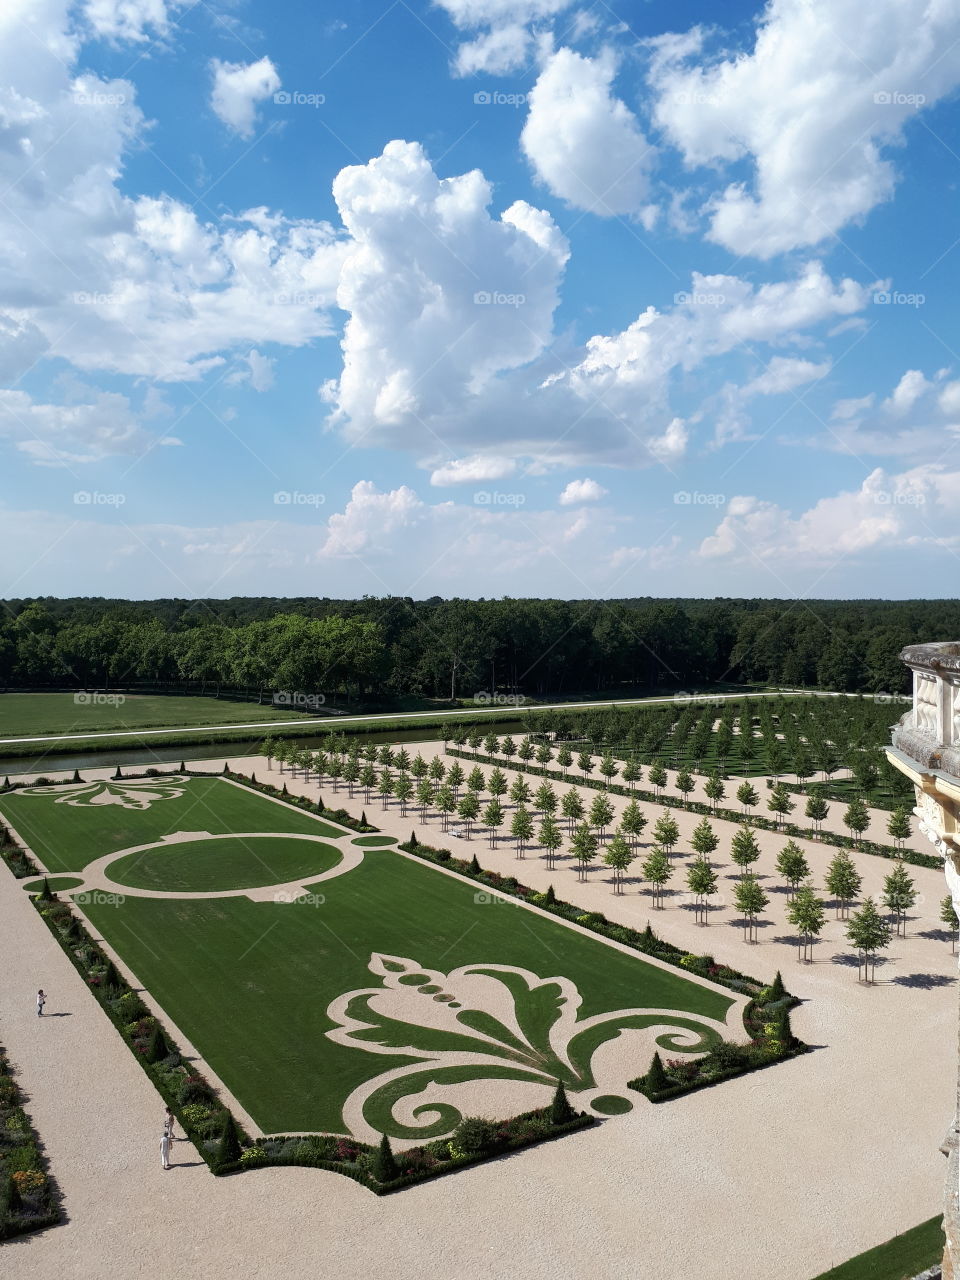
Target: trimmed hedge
x,y
788,829
29,1196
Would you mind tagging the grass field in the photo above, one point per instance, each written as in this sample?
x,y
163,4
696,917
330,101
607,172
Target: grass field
x,y
33,714
900,1258
388,985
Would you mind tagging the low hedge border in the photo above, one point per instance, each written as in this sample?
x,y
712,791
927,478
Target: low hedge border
x,y
765,1050
788,829
29,1197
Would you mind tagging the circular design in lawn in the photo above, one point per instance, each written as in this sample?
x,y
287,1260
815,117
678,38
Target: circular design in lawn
x,y
57,884
610,1104
375,842
209,865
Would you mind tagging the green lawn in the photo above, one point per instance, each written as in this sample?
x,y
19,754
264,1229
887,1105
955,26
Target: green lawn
x,y
204,866
250,982
900,1258
65,837
33,714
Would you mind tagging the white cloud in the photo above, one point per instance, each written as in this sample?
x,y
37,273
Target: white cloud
x,y
579,491
816,105
237,89
582,141
784,373
89,426
473,470
919,420
906,393
505,31
133,21
256,371
496,52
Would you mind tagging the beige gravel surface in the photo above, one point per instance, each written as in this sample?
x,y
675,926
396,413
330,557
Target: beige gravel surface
x,y
776,1176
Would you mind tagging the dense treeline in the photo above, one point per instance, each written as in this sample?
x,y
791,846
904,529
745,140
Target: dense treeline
x,y
453,648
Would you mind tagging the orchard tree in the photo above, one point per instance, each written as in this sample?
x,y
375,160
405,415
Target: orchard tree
x,y
868,933
419,768
446,802
521,828
437,770
475,780
792,865
508,748
704,840
657,869
564,759
805,912
714,790
747,795
657,776
385,789
816,809
899,895
368,780
351,773
750,901
544,755
403,790
493,820
497,784
550,838
425,792
601,813
491,744
949,917
455,777
468,809
632,822
585,763
744,849
632,774
608,768
856,818
685,783
545,799
779,803
618,856
475,740
403,760
702,883
899,825
666,832
583,846
844,881
571,806
519,790
525,750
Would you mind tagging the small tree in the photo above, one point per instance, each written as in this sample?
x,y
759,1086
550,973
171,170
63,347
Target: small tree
x,y
424,797
702,883
497,784
856,818
869,933
779,803
445,802
949,917
714,790
545,799
844,881
792,865
521,828
525,750
571,806
564,759
228,1148
520,790
493,820
608,768
601,812
657,868
631,774
368,780
468,809
618,855
403,790
384,1163
816,809
656,1079
508,748
561,1111
632,822
744,849
747,795
777,989
550,838
751,901
476,782
684,782
585,763
899,825
704,840
46,893
583,846
666,832
455,777
657,775
437,769
157,1047
899,895
806,914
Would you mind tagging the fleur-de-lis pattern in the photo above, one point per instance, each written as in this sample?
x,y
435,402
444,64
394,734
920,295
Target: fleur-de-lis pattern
x,y
129,794
482,1021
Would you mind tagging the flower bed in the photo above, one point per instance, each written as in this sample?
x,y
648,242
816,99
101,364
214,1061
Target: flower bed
x,y
787,829
29,1197
766,1003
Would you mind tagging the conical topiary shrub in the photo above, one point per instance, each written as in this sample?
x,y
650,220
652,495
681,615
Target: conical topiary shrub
x,y
229,1150
384,1164
111,976
656,1078
550,896
76,776
183,767
157,1048
561,1111
413,840
363,818
117,774
226,767
46,893
474,865
253,778
777,989
284,792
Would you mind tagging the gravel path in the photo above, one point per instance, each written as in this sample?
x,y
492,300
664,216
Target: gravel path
x,y
773,1177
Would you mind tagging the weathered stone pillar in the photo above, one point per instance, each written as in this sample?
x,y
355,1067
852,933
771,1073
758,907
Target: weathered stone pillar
x,y
926,747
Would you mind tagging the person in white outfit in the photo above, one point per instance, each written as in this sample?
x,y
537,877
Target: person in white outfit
x,y
165,1150
41,1001
168,1120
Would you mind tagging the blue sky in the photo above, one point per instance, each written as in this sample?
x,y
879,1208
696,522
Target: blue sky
x,y
479,297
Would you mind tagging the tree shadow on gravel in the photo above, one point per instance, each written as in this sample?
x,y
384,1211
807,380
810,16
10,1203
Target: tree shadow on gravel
x,y
923,981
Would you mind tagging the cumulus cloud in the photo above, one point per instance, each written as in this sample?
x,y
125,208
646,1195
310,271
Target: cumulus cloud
x,y
504,28
580,491
583,142
128,21
90,425
815,107
472,470
237,89
919,420
255,370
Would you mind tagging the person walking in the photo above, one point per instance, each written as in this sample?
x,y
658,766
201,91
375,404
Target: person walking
x,y
168,1120
41,1001
165,1150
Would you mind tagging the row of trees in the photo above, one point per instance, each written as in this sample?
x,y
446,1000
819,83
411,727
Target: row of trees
x,y
444,648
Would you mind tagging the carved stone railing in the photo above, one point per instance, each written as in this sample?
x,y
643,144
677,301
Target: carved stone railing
x,y
930,732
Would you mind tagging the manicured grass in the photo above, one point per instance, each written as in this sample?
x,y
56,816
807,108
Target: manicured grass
x,y
203,866
903,1256
31,714
65,837
375,842
250,983
58,884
